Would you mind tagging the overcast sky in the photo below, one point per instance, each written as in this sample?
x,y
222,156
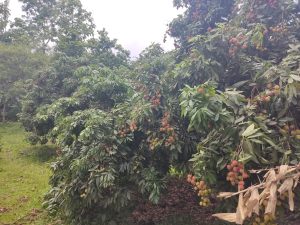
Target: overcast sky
x,y
135,23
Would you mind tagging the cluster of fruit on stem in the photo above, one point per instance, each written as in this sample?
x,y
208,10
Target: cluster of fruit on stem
x,y
166,128
155,100
201,90
237,174
290,130
237,42
278,33
278,29
83,193
272,90
203,191
126,129
143,89
154,143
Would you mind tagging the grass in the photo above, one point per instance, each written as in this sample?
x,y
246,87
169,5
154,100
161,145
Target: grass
x,y
24,175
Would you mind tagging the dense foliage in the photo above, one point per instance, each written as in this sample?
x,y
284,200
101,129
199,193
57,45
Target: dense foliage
x,y
228,95
17,64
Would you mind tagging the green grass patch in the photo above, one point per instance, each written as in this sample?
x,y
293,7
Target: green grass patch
x,y
24,176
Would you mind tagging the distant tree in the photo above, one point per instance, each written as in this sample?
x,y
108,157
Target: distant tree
x,y
48,23
75,47
74,26
154,50
4,18
17,64
107,52
199,17
39,22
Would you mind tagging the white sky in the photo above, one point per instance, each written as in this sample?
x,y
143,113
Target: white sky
x,y
135,23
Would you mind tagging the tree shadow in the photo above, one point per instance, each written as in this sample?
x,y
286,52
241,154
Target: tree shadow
x,y
40,153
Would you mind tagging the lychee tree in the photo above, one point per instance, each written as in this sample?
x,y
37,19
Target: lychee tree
x,y
249,109
225,102
252,57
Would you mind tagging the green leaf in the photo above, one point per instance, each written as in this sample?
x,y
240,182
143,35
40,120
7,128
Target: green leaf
x,y
258,134
239,119
248,150
270,142
221,163
249,131
246,158
240,84
256,141
295,77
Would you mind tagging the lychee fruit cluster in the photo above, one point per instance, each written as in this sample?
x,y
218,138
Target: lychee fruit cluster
x,y
166,128
266,96
272,90
236,43
83,193
155,100
154,143
203,191
237,174
291,131
126,129
201,90
279,29
170,140
278,33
